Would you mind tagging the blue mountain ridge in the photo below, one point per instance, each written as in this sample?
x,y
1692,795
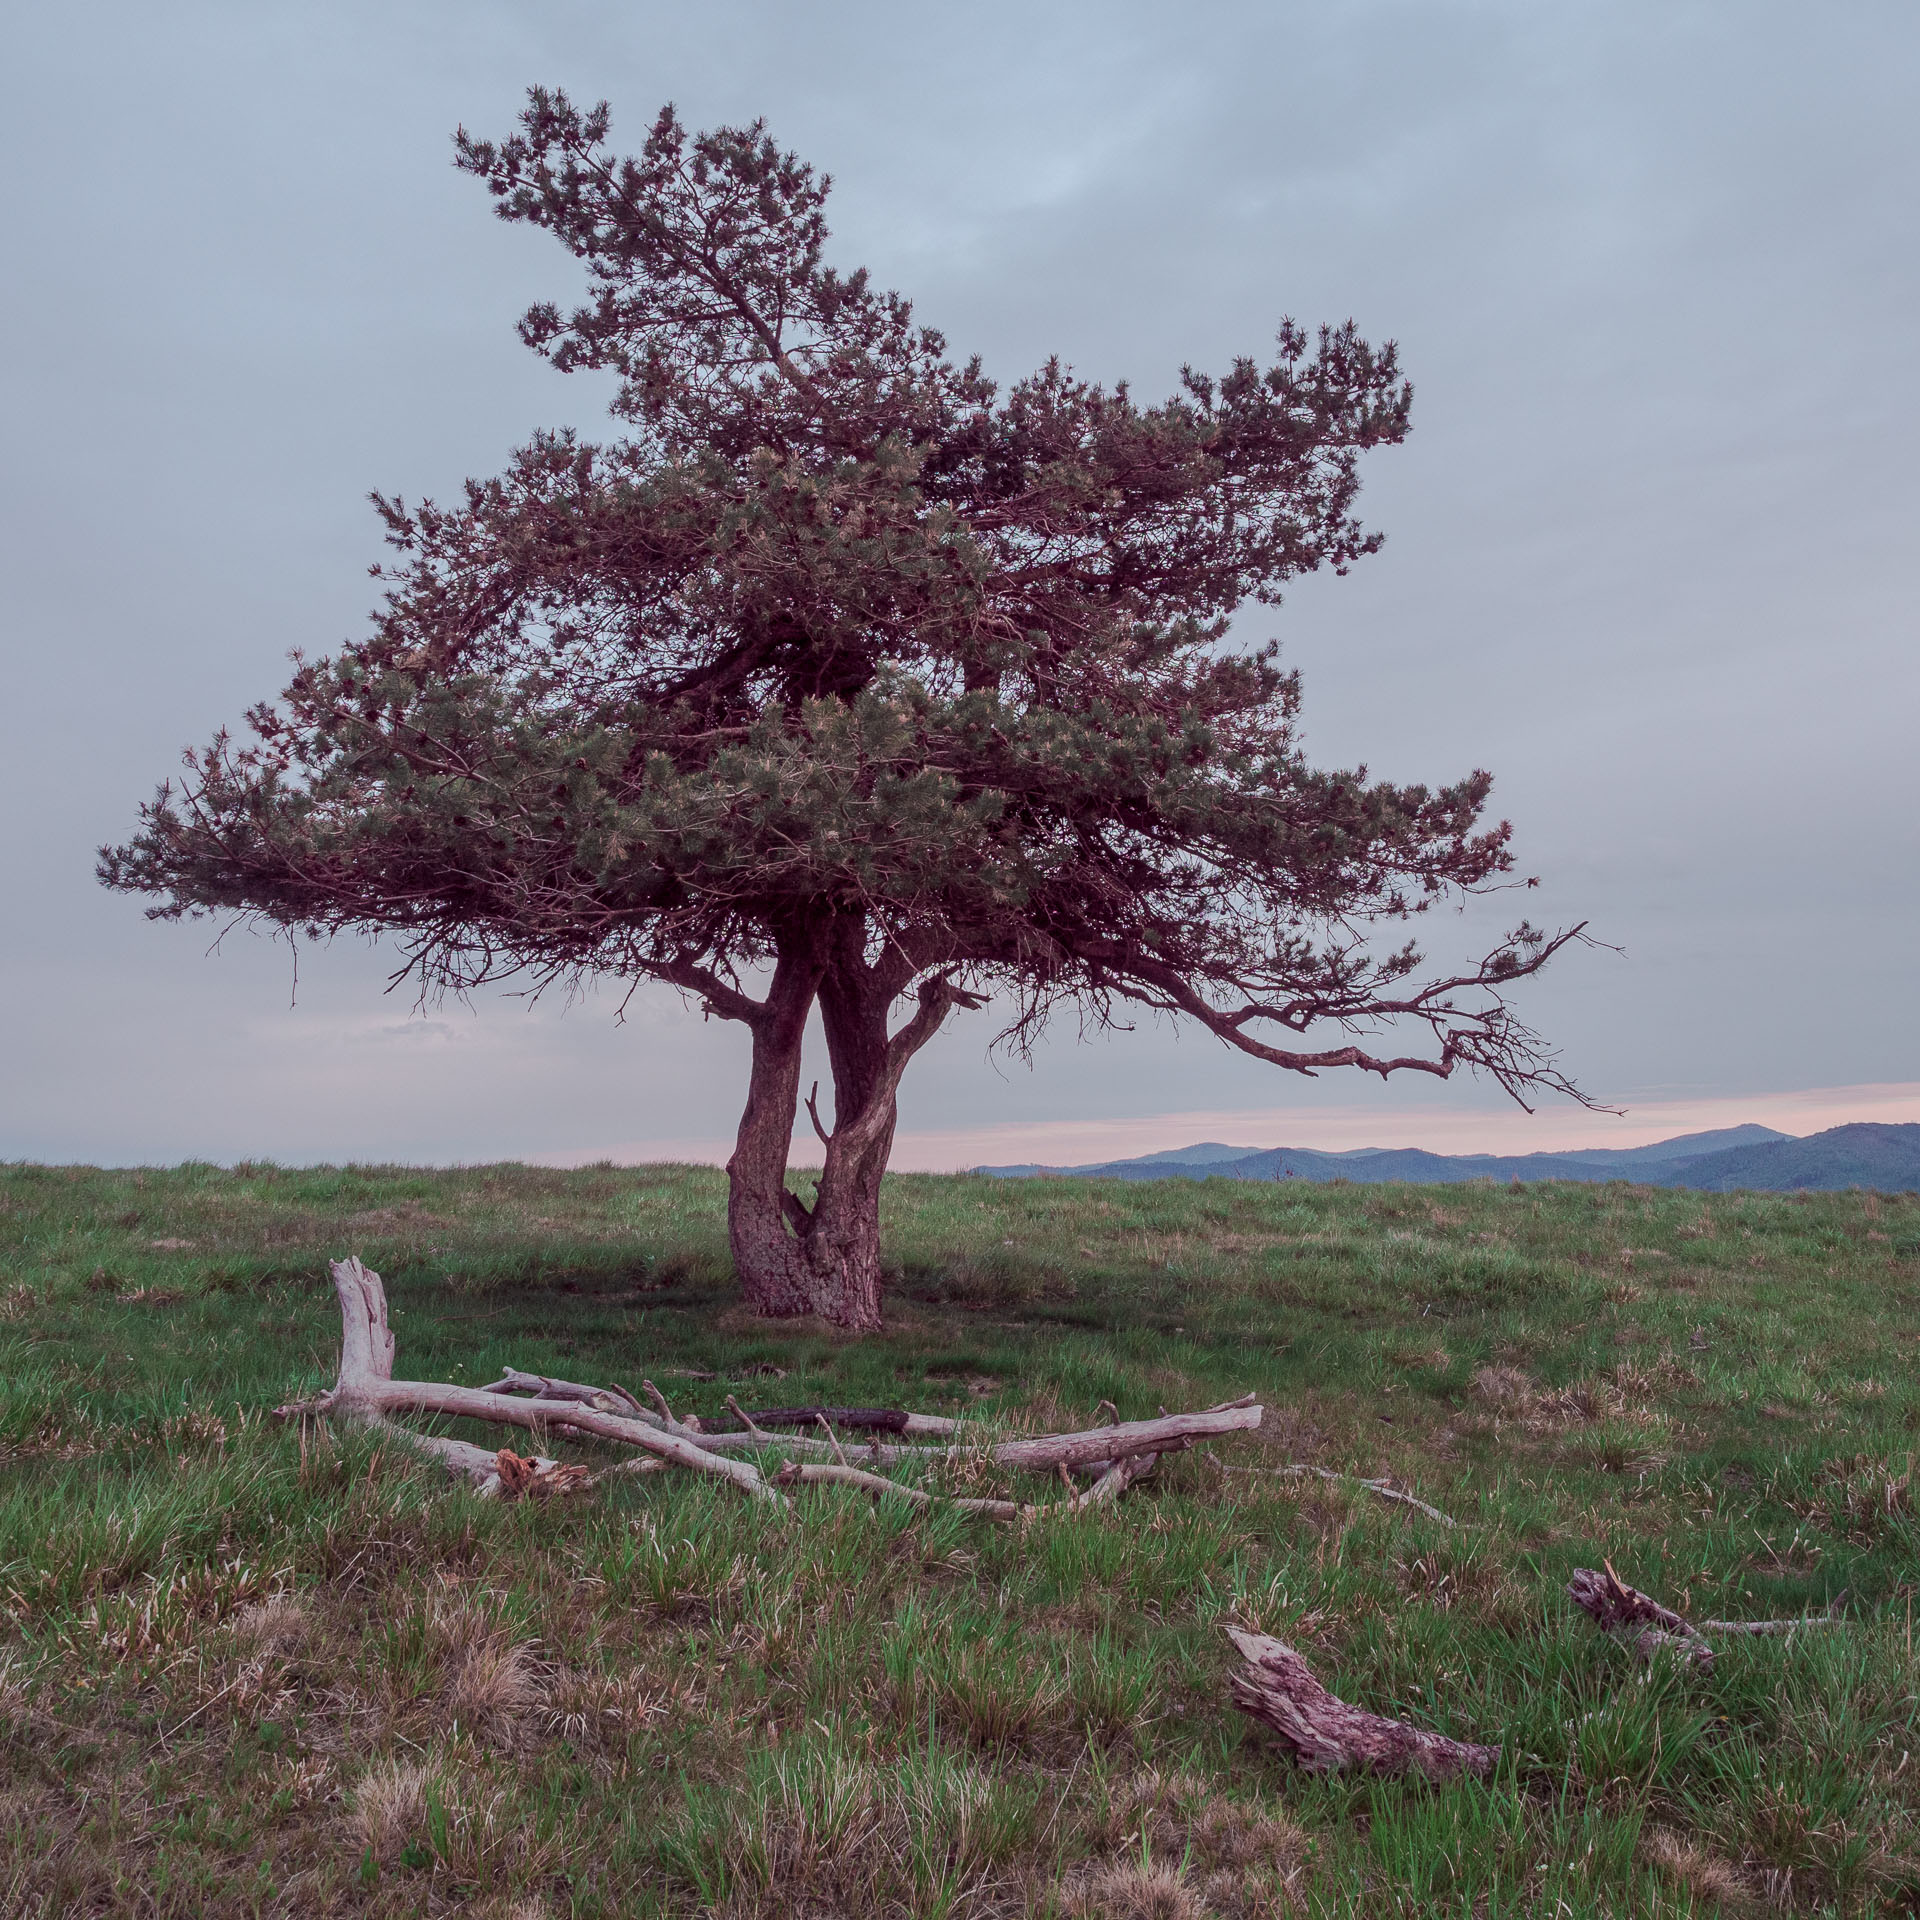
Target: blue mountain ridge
x,y
1724,1160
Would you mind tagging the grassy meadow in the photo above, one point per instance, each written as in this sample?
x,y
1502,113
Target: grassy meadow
x,y
250,1671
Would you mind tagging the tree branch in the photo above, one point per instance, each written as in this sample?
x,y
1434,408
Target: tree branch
x,y
366,1388
813,1114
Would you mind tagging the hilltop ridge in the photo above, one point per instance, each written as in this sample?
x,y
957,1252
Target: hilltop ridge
x,y
1722,1160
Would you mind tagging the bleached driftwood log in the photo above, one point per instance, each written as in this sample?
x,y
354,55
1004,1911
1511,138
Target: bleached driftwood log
x,y
366,1388
614,1398
1322,1733
610,1399
1092,1451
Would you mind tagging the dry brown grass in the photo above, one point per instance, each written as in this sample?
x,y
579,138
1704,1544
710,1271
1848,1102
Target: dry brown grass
x,y
1123,1892
1702,1871
390,1807
276,1628
1502,1387
495,1691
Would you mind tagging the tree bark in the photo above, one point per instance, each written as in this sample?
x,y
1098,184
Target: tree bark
x,y
1322,1733
845,1229
767,1253
824,1258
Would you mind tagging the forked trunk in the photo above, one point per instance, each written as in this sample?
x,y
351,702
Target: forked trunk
x,y
823,1258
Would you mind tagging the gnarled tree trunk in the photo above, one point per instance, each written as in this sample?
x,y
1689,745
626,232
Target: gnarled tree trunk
x,y
824,1258
766,1248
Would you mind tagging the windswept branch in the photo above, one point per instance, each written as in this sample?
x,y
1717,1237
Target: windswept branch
x,y
1483,1035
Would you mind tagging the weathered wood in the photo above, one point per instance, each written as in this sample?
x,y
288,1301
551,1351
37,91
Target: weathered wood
x,y
1322,1733
430,1396
542,1387
1792,1625
1118,1454
1619,1609
366,1388
1092,1451
854,1419
1115,1481
1045,1452
479,1466
535,1479
366,1340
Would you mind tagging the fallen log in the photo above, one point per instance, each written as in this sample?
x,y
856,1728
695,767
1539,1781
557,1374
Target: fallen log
x,y
1322,1733
477,1465
616,1399
1117,1454
1173,1433
366,1388
1094,1450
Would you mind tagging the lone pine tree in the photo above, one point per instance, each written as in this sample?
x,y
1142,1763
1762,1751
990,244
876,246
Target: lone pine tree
x,y
847,680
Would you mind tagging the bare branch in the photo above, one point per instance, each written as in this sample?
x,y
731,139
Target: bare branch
x,y
610,1399
1619,1609
832,1440
1383,1489
365,1389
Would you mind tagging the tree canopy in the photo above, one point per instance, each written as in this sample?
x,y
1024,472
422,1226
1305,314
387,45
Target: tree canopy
x,y
846,676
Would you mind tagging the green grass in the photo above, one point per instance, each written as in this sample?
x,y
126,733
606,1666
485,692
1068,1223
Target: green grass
x,y
247,1671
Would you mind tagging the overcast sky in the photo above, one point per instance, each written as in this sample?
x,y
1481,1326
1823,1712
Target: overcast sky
x,y
1651,546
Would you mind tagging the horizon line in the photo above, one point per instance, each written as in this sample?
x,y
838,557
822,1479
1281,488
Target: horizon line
x,y
1797,1113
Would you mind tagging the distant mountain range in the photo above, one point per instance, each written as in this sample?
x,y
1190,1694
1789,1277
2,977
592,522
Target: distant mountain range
x,y
1727,1160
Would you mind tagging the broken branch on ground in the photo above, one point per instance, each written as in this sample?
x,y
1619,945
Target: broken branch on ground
x,y
366,1390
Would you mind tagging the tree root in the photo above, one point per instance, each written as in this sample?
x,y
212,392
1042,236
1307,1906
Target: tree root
x,y
1322,1733
1091,1452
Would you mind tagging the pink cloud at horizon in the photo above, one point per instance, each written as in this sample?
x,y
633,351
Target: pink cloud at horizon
x,y
1328,1129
